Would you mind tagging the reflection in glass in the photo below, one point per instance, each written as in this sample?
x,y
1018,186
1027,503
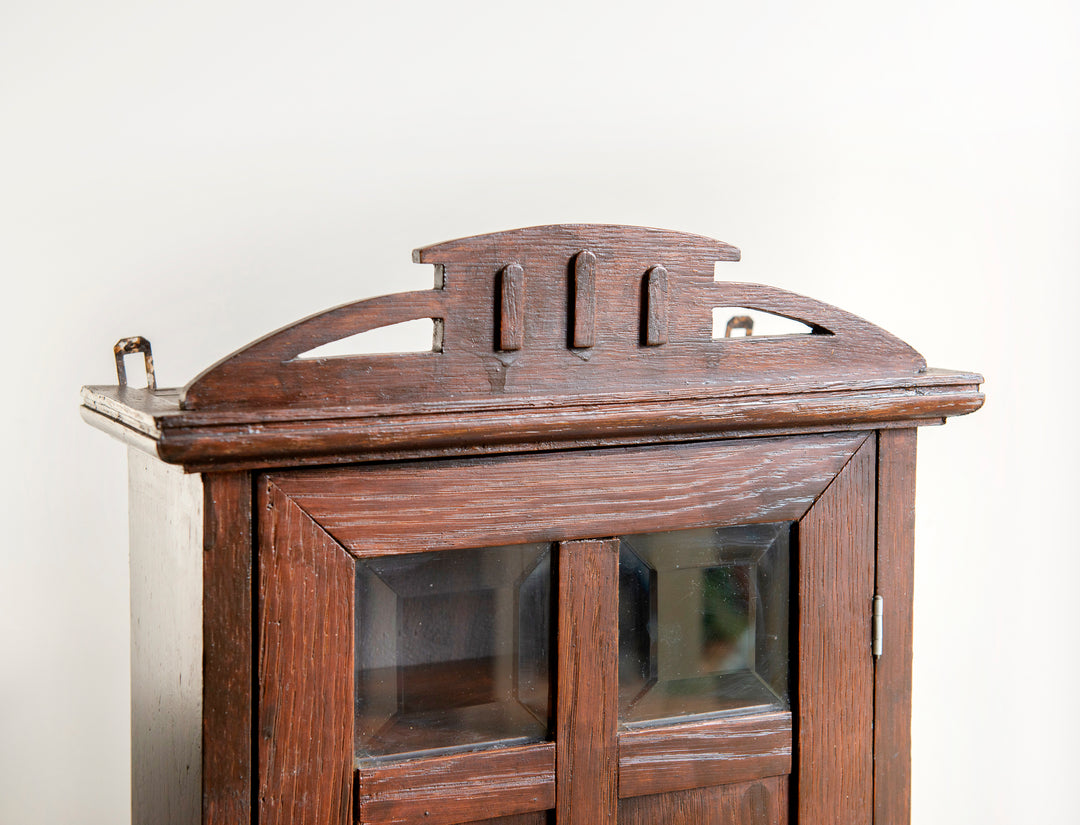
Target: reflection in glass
x,y
703,621
452,650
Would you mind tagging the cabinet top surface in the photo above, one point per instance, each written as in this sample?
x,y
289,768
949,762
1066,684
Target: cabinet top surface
x,y
546,336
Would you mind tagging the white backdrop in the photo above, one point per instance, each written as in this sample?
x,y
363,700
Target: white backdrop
x,y
203,172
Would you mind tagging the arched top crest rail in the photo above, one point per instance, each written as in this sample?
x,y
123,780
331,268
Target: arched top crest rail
x,y
573,312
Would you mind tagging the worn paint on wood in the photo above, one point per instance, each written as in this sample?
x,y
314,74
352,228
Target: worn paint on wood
x,y
166,539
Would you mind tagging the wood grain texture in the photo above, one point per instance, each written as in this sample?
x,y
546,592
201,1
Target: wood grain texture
x,y
459,788
584,307
512,308
655,309
227,649
587,693
835,667
241,439
892,671
267,373
406,508
306,650
760,802
714,752
166,533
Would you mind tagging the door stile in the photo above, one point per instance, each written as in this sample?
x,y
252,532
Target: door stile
x,y
227,652
835,695
306,644
586,751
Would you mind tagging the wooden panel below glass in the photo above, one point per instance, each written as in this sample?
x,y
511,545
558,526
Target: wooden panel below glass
x,y
759,802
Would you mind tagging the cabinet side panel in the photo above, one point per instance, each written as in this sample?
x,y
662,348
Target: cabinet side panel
x,y
305,708
895,578
227,629
835,666
165,524
761,802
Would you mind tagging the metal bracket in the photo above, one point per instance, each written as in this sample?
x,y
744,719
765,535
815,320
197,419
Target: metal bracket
x,y
877,641
739,322
129,346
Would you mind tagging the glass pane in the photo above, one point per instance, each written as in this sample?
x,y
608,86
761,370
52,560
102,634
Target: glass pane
x,y
452,650
704,621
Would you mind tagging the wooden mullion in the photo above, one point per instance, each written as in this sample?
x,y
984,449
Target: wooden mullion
x,y
892,672
586,754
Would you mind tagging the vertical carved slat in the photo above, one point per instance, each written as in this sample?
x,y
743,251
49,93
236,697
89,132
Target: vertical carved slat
x,y
656,307
512,308
586,753
584,299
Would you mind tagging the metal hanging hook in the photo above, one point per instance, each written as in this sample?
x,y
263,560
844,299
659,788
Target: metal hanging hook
x,y
129,346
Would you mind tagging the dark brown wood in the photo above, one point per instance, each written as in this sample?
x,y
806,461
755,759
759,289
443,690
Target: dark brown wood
x,y
538,818
835,667
584,309
306,650
714,752
227,651
405,508
260,438
166,534
587,402
459,788
512,308
655,315
268,373
892,672
586,756
760,802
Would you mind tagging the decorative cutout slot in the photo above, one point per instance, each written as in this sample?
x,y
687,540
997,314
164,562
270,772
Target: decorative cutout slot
x,y
421,335
735,322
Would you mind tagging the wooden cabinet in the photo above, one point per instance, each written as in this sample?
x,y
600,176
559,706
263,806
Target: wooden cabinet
x,y
585,561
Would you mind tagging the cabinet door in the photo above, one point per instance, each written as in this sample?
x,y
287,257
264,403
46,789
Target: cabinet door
x,y
456,641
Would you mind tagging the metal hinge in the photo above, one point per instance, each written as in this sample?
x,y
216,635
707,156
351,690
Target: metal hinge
x,y
876,632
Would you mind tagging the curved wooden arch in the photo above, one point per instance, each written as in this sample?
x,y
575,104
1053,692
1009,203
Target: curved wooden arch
x,y
593,311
